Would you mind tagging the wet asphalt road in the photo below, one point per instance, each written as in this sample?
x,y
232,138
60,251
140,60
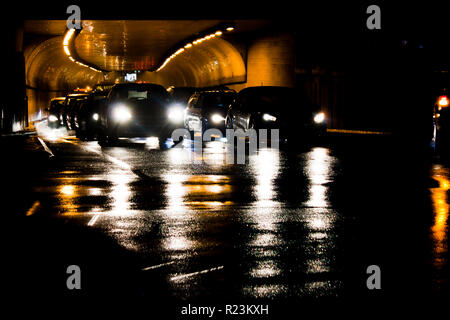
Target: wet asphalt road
x,y
288,226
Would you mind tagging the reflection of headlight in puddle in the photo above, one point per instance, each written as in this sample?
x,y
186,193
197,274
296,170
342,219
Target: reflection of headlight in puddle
x,y
121,113
176,114
52,118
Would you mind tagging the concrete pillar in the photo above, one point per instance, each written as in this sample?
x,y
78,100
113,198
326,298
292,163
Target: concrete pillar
x,y
271,61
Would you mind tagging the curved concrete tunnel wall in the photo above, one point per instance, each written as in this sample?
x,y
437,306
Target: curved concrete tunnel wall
x,y
211,63
49,73
270,61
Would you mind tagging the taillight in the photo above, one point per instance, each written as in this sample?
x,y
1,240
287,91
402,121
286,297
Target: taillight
x,y
443,101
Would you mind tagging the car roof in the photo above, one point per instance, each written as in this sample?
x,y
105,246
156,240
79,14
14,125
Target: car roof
x,y
216,91
75,95
182,88
134,84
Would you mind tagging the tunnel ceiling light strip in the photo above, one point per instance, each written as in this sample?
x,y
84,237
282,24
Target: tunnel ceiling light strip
x,y
189,45
67,43
68,36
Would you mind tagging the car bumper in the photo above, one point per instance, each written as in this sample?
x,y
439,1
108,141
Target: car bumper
x,y
155,129
54,124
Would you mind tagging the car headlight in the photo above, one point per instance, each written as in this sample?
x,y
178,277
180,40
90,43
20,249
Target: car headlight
x,y
176,114
319,118
216,118
121,113
52,118
95,116
443,101
268,117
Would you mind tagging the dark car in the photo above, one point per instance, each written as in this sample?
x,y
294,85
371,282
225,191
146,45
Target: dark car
x,y
276,108
181,95
138,110
208,109
54,112
71,105
88,115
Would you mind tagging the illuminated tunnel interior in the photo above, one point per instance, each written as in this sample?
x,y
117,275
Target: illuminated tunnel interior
x,y
311,161
344,69
211,55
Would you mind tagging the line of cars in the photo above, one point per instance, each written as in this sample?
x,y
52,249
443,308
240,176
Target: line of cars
x,y
256,108
79,111
145,109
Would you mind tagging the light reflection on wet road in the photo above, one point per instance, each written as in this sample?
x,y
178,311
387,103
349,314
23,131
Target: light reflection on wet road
x,y
211,224
439,229
189,203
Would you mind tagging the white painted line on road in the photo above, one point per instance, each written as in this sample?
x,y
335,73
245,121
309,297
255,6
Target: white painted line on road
x,y
45,147
68,141
158,266
123,165
93,220
183,276
120,163
33,208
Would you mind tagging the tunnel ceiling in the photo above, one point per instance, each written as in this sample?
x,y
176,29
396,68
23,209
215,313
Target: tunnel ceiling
x,y
133,45
130,44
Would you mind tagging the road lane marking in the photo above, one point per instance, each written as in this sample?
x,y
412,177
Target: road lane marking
x,y
120,163
33,208
46,148
158,266
123,165
93,220
68,141
187,275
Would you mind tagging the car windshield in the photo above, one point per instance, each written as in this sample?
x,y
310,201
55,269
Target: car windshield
x,y
139,93
217,100
98,98
56,105
75,101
